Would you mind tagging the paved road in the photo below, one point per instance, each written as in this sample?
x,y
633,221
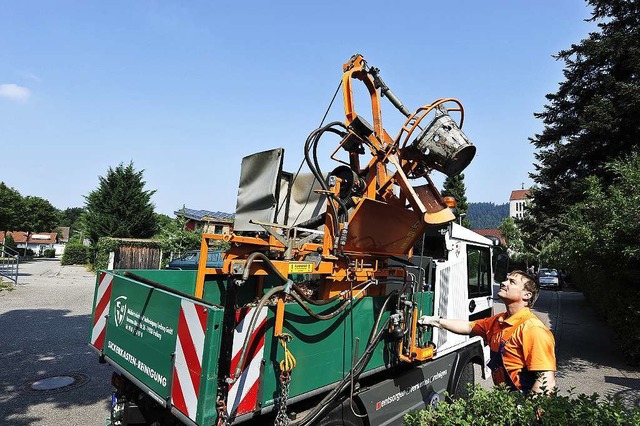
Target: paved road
x,y
44,329
45,322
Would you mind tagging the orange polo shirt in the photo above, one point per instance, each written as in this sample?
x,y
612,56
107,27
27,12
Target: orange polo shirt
x,y
531,345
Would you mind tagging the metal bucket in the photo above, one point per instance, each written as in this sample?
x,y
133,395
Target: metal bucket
x,y
444,146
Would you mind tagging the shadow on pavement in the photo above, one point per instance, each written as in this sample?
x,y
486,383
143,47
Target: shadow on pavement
x,y
39,343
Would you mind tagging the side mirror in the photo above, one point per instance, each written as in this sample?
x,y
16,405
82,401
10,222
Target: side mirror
x,y
502,266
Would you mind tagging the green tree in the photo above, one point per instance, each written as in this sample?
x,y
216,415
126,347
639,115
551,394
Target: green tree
x,y
70,217
38,215
120,206
10,208
10,242
176,238
593,118
512,235
453,186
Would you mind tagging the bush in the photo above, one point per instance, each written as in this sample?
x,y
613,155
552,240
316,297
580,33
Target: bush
x,y
25,253
502,407
10,242
49,253
75,254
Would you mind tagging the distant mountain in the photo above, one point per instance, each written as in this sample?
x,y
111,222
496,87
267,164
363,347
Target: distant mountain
x,y
487,215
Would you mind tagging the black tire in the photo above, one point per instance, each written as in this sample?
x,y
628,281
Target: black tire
x,y
467,377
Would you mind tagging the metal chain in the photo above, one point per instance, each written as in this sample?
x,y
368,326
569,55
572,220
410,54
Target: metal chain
x,y
281,418
223,418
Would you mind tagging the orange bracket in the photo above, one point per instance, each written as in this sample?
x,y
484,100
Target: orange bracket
x,y
277,330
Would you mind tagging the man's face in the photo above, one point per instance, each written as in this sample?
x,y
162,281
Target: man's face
x,y
512,290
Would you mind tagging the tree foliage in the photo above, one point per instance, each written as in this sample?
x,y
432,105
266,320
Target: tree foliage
x,y
10,206
485,215
585,202
454,186
38,215
593,118
176,239
120,206
71,217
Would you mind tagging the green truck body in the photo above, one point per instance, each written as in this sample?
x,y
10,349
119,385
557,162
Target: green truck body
x,y
182,352
170,345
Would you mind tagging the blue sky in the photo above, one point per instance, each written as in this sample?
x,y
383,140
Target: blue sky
x,y
186,89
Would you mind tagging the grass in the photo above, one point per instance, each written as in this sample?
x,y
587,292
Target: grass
x,y
8,286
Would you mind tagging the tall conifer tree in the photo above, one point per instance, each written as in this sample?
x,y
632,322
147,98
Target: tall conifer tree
x,y
453,186
593,118
120,206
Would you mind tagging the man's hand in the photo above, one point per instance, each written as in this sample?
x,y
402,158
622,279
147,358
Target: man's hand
x,y
456,326
427,321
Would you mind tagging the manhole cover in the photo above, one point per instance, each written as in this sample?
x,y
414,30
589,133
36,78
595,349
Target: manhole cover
x,y
55,384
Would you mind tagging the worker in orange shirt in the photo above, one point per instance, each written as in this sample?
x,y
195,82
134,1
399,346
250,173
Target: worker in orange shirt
x,y
522,347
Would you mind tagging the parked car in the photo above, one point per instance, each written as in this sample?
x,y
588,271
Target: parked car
x,y
549,278
189,260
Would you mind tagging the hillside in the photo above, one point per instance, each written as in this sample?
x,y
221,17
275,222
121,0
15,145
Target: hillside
x,y
487,215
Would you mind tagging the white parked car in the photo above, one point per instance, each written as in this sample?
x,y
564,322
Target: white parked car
x,y
549,278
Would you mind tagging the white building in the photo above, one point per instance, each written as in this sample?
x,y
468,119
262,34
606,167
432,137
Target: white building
x,y
517,203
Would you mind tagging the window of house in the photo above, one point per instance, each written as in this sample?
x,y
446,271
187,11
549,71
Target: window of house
x,y
479,271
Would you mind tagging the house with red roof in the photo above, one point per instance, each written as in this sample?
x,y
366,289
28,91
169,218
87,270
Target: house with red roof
x,y
37,241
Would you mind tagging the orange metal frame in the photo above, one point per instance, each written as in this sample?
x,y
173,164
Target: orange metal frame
x,y
336,273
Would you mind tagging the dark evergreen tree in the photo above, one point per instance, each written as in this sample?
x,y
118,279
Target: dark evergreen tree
x,y
70,217
593,118
120,206
453,186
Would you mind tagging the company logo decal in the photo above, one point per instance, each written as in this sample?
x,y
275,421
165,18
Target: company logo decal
x,y
120,309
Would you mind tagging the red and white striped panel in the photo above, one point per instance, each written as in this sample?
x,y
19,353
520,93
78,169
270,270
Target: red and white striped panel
x,y
188,363
101,310
243,394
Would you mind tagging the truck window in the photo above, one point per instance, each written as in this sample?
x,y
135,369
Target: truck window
x,y
479,268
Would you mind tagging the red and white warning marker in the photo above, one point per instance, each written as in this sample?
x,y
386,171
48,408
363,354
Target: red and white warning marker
x,y
188,362
101,310
243,394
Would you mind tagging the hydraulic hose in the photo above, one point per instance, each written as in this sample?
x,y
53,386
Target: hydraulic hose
x,y
307,299
320,317
252,257
342,385
252,325
245,276
374,339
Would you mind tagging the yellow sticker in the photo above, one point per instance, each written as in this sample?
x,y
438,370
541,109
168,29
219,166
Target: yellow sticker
x,y
300,268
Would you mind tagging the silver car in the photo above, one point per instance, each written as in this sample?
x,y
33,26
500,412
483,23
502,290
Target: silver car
x,y
549,278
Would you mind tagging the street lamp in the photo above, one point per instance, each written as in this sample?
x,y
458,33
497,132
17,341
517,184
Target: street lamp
x,y
460,216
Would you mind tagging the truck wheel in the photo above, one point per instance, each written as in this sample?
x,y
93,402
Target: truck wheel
x,y
467,377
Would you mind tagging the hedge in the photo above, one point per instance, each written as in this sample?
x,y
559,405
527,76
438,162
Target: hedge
x,y
499,406
49,253
75,254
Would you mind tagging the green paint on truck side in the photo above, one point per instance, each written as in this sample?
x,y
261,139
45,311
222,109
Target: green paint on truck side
x,y
324,350
143,323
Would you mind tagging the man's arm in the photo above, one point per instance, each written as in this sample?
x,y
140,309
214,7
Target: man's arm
x,y
544,379
453,325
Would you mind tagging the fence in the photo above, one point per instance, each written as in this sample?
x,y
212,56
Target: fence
x,y
9,263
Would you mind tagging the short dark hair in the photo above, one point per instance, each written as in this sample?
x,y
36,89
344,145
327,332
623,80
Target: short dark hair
x,y
530,285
